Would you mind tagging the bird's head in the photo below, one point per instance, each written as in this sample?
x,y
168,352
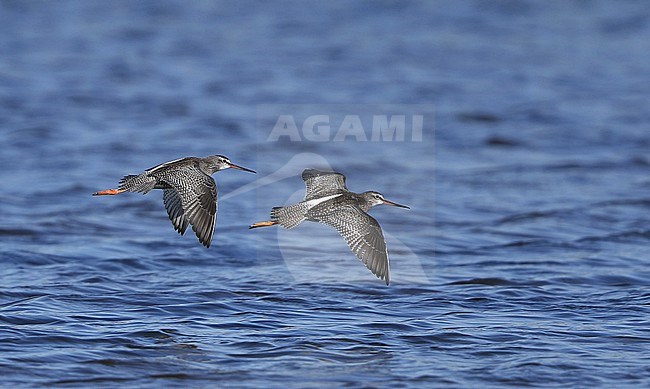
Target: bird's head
x,y
373,198
220,162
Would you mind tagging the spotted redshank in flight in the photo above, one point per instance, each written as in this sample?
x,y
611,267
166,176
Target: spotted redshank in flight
x,y
328,201
189,191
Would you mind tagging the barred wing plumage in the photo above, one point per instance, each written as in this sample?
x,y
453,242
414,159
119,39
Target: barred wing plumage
x,y
198,197
320,183
174,206
361,232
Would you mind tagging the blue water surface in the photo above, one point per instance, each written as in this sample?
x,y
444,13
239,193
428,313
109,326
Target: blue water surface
x,y
522,262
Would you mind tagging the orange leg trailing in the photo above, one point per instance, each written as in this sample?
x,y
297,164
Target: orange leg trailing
x,y
263,224
110,192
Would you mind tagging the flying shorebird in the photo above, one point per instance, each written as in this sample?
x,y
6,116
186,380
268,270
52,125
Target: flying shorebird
x,y
328,201
189,191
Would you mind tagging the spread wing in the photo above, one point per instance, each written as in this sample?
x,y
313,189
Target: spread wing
x,y
321,183
362,234
197,193
174,206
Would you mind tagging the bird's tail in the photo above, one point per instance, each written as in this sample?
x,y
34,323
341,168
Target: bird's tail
x,y
137,183
289,216
131,183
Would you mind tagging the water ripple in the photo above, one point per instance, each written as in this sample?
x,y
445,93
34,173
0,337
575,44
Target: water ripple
x,y
523,259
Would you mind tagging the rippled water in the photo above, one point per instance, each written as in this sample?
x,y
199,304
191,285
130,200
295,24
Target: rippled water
x,y
524,258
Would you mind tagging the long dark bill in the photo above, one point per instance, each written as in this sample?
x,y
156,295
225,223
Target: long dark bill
x,y
233,166
395,204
